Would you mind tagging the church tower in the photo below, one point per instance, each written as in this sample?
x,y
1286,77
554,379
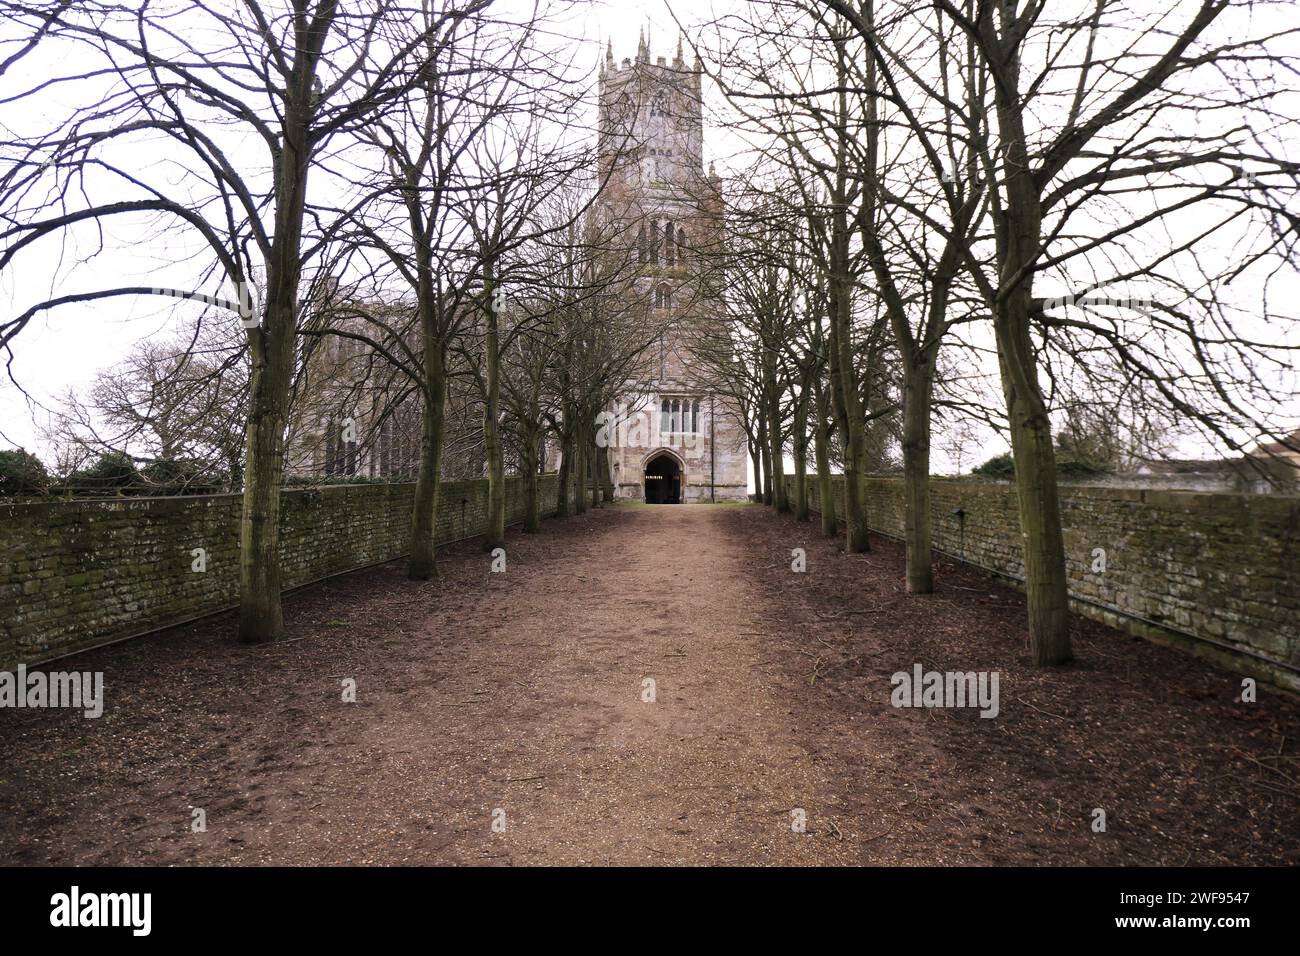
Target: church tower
x,y
678,439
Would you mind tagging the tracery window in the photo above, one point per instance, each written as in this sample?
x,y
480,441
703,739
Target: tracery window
x,y
679,416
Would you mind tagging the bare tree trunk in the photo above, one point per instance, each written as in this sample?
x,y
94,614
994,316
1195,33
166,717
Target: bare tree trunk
x,y
801,457
780,500
849,412
260,616
422,563
608,492
775,438
580,470
917,389
850,415
1046,584
565,478
765,450
822,454
1040,511
825,485
496,523
532,486
602,475
593,451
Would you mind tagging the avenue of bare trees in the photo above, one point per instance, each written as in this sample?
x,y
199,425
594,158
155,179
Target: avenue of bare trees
x,y
1070,221
1094,195
398,177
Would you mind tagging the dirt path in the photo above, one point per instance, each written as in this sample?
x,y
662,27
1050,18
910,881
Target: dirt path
x,y
711,771
517,698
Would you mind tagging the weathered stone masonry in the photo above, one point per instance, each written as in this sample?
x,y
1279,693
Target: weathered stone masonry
x,y
1214,574
76,574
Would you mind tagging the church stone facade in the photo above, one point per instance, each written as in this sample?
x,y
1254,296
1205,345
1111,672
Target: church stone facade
x,y
673,437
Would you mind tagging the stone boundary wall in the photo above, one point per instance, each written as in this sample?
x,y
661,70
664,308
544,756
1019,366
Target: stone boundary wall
x,y
1214,574
75,574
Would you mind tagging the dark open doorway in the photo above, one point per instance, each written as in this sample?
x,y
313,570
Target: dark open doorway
x,y
663,481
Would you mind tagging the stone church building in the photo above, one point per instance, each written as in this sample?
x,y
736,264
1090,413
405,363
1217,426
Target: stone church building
x,y
674,438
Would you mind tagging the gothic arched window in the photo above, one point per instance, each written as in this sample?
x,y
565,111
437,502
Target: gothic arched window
x,y
663,298
386,441
670,247
659,106
665,421
330,457
681,243
640,244
653,235
677,417
695,416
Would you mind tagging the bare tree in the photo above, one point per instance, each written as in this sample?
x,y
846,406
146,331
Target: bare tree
x,y
204,82
978,150
179,403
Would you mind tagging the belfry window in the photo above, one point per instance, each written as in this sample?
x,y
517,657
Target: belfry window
x,y
340,452
386,448
679,416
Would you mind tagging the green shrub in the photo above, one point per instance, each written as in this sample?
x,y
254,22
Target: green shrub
x,y
1067,466
170,476
22,473
1000,466
113,471
1072,467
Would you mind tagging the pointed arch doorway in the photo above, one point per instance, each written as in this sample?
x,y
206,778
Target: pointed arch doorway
x,y
663,480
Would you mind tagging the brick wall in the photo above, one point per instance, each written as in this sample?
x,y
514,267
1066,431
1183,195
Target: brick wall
x,y
1215,574
76,574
